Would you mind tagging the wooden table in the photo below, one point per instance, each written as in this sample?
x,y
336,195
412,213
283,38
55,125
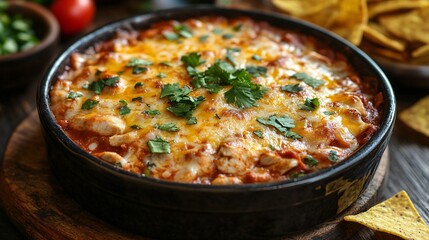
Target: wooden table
x,y
409,152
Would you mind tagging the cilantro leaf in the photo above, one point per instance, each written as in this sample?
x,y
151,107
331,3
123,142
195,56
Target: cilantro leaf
x,y
237,27
162,75
328,113
138,70
258,133
183,30
166,64
283,124
292,88
217,31
138,99
138,84
204,38
310,104
310,161
124,109
193,59
333,156
152,112
256,57
158,145
181,104
138,62
257,71
244,95
74,95
89,104
96,86
192,121
136,127
227,36
111,81
171,36
169,127
309,80
174,91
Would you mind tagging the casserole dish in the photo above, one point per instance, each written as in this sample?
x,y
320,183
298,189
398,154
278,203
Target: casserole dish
x,y
162,209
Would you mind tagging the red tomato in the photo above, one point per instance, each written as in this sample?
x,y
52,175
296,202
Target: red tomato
x,y
73,15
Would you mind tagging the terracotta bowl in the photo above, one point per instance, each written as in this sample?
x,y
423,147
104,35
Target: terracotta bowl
x,y
171,210
22,68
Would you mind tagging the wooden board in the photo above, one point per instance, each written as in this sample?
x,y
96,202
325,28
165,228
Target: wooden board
x,y
40,208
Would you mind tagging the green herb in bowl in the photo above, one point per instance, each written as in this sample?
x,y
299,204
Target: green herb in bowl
x,y
16,32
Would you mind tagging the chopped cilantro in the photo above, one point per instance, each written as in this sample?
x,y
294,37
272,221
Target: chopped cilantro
x,y
166,64
217,31
244,95
181,104
89,104
256,57
152,112
237,27
120,73
272,147
74,95
192,121
309,80
169,127
147,169
229,54
182,30
193,59
162,75
310,104
171,36
138,99
98,72
328,113
258,133
204,38
333,156
138,84
158,145
138,69
310,161
296,175
96,86
174,91
283,124
124,109
111,81
292,88
227,36
136,127
138,62
257,71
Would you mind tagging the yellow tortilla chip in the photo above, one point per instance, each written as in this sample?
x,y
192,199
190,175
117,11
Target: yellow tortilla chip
x,y
397,216
384,52
376,34
417,116
412,26
299,8
324,18
390,6
421,51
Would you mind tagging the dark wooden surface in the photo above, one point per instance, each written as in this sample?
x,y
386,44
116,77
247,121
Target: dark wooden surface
x,y
409,151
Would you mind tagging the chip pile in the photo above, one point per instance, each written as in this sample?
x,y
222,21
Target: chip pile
x,y
417,116
397,216
394,29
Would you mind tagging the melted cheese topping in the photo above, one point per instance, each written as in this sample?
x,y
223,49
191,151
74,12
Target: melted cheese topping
x,y
222,147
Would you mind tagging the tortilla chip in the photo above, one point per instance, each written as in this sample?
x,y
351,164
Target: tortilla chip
x,y
421,51
386,53
324,18
299,8
391,6
376,34
397,216
417,116
412,26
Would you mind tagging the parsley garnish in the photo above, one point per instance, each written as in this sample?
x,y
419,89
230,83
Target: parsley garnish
x,y
152,112
310,104
124,109
181,104
227,36
89,104
257,71
328,113
296,175
138,99
292,88
98,86
193,59
217,31
310,161
158,145
169,127
309,80
237,27
147,169
136,127
256,57
162,75
272,147
258,133
138,62
111,81
283,124
182,30
204,38
138,69
192,121
166,64
138,84
74,95
171,36
333,156
229,54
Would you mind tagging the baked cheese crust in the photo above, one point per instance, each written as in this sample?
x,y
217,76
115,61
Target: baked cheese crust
x,y
215,101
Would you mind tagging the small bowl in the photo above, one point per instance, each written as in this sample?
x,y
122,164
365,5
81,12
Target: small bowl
x,y
172,210
24,67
